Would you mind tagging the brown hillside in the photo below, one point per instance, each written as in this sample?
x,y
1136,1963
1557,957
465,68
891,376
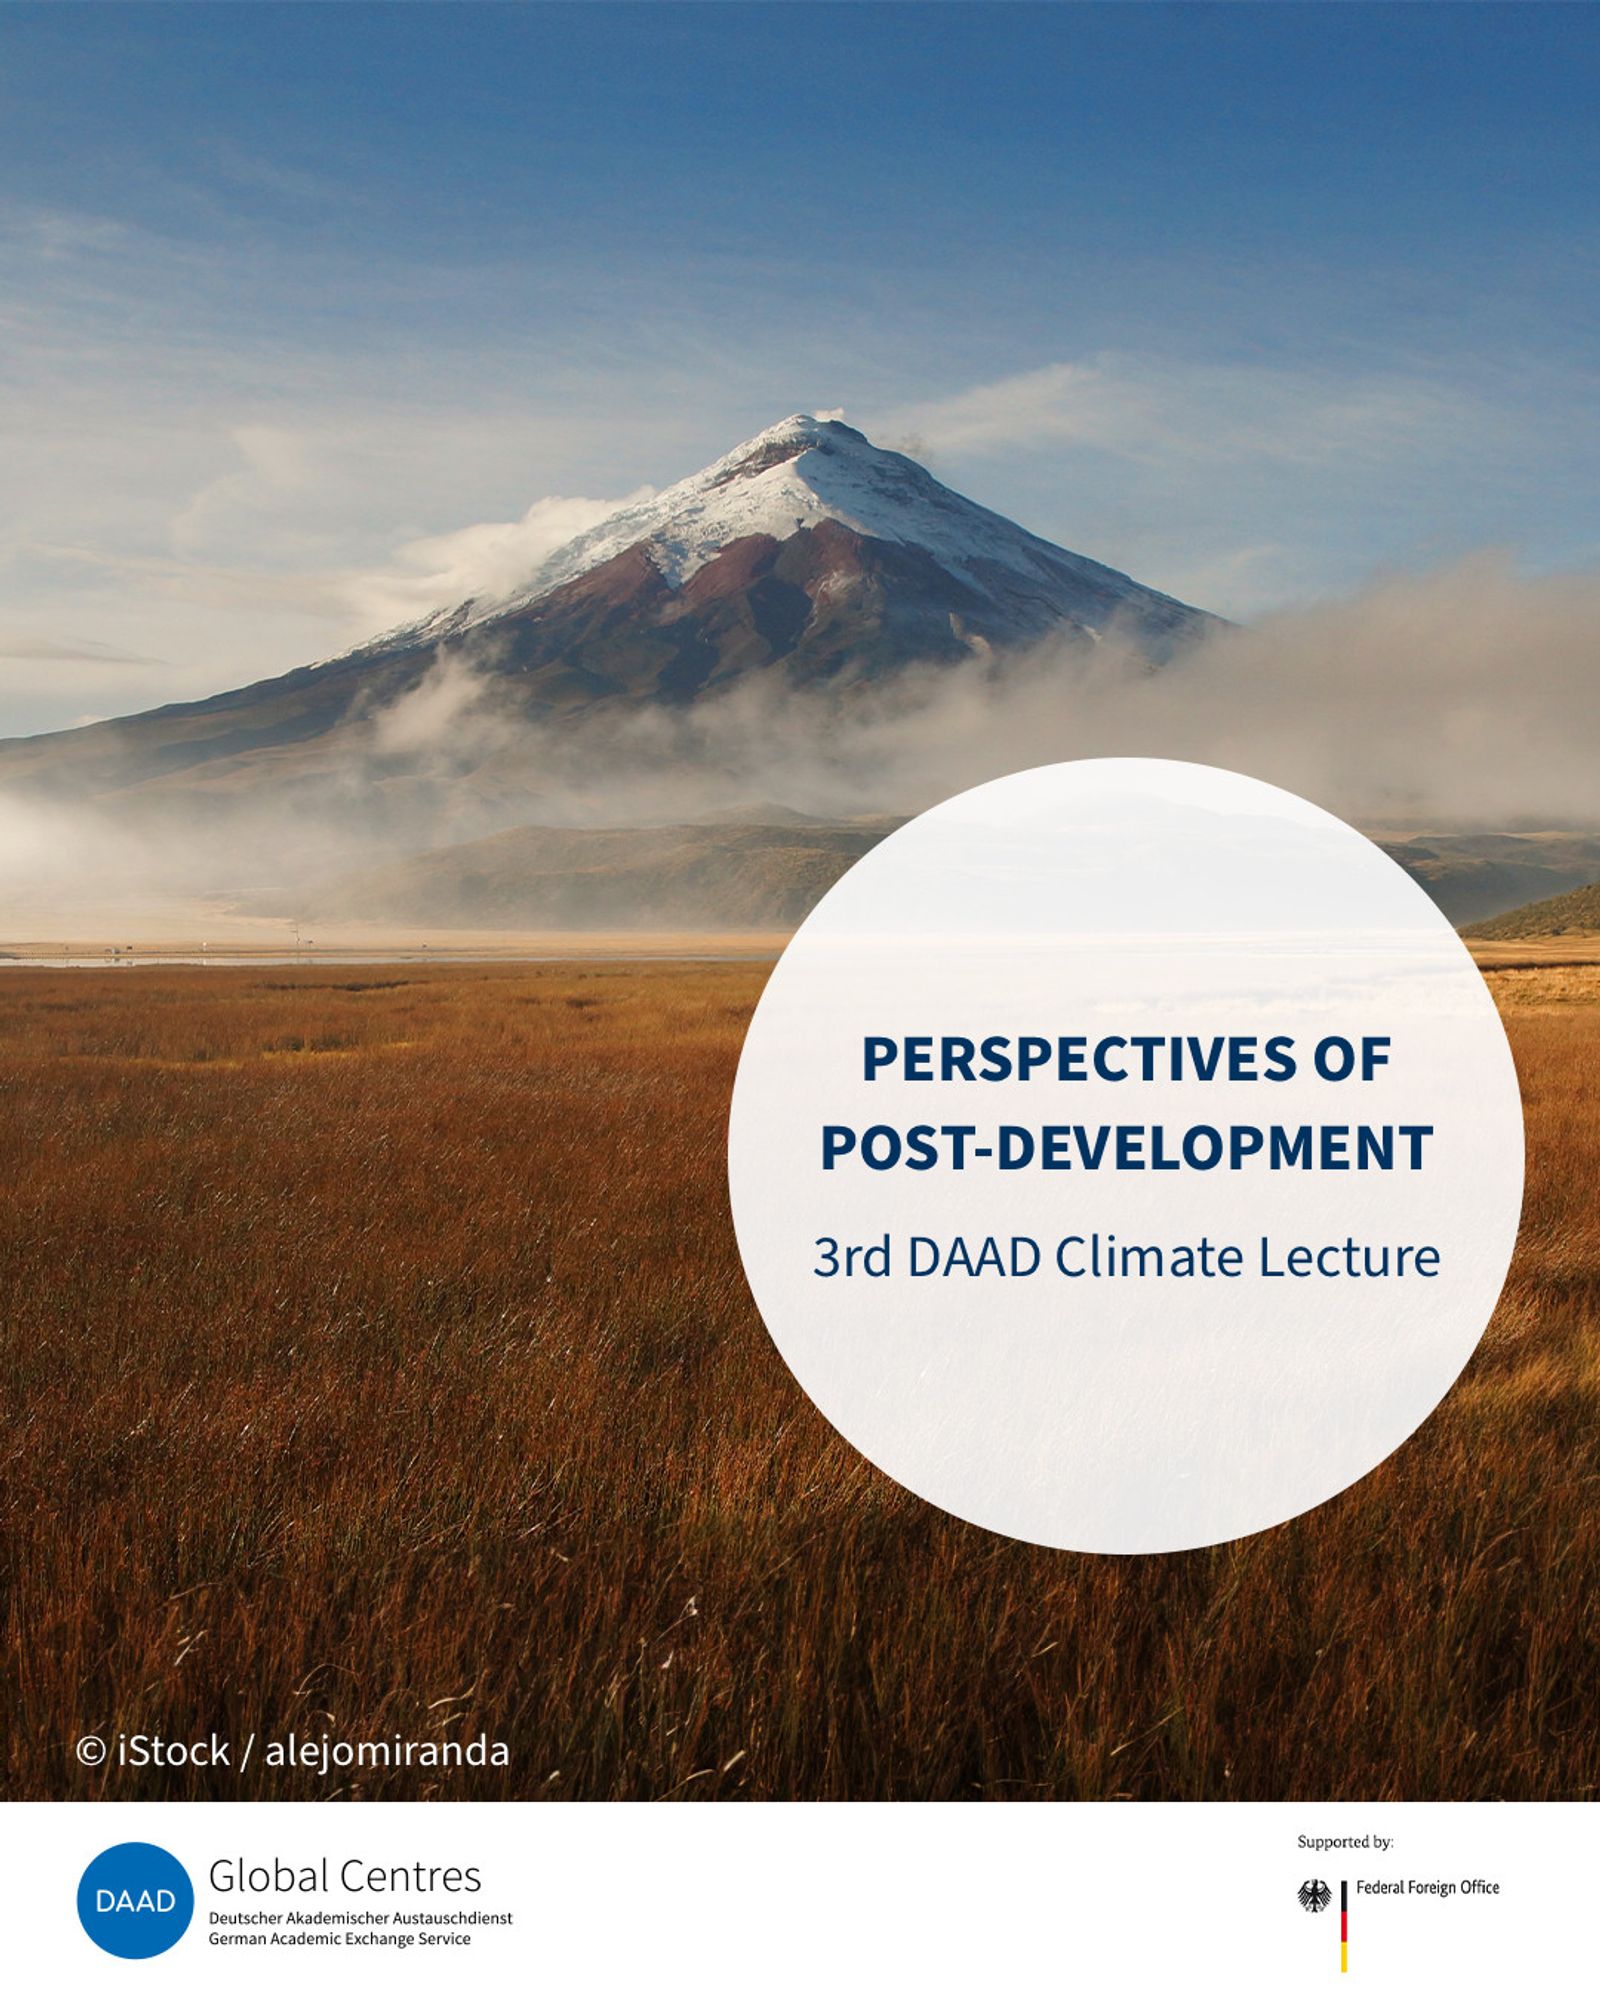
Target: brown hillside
x,y
1577,913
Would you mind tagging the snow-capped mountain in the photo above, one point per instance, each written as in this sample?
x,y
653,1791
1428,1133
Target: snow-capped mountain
x,y
809,470
807,559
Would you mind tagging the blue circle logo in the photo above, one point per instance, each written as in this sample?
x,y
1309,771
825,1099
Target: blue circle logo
x,y
135,1900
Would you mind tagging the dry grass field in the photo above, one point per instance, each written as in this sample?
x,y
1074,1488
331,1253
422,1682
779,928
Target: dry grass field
x,y
377,1363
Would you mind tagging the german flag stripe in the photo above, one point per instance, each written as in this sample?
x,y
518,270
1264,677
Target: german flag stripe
x,y
1344,1926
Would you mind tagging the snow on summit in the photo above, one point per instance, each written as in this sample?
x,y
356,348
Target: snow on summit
x,y
800,472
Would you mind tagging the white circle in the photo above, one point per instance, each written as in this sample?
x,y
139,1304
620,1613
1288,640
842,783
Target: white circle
x,y
1126,1413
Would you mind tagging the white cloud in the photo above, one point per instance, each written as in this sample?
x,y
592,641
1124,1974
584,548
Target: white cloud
x,y
434,710
35,649
428,573
1132,407
489,559
277,465
1246,485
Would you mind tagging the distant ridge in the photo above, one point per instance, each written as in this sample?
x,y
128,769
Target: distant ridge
x,y
1475,876
706,876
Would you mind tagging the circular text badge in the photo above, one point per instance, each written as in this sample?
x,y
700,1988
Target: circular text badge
x,y
1126,1156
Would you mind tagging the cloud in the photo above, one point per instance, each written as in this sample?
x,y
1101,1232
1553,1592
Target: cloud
x,y
491,559
438,712
75,652
277,464
1139,408
1464,697
424,574
1249,484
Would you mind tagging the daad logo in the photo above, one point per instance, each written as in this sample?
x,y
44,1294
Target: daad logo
x,y
1315,1896
135,1900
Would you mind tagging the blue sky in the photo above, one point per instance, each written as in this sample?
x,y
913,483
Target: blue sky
x,y
297,302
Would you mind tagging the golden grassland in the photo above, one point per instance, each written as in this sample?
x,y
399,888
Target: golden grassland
x,y
377,1363
1571,953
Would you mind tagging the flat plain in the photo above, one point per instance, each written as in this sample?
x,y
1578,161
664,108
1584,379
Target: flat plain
x,y
377,1363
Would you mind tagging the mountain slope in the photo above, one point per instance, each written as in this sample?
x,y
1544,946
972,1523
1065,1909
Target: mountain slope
x,y
1575,914
807,558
